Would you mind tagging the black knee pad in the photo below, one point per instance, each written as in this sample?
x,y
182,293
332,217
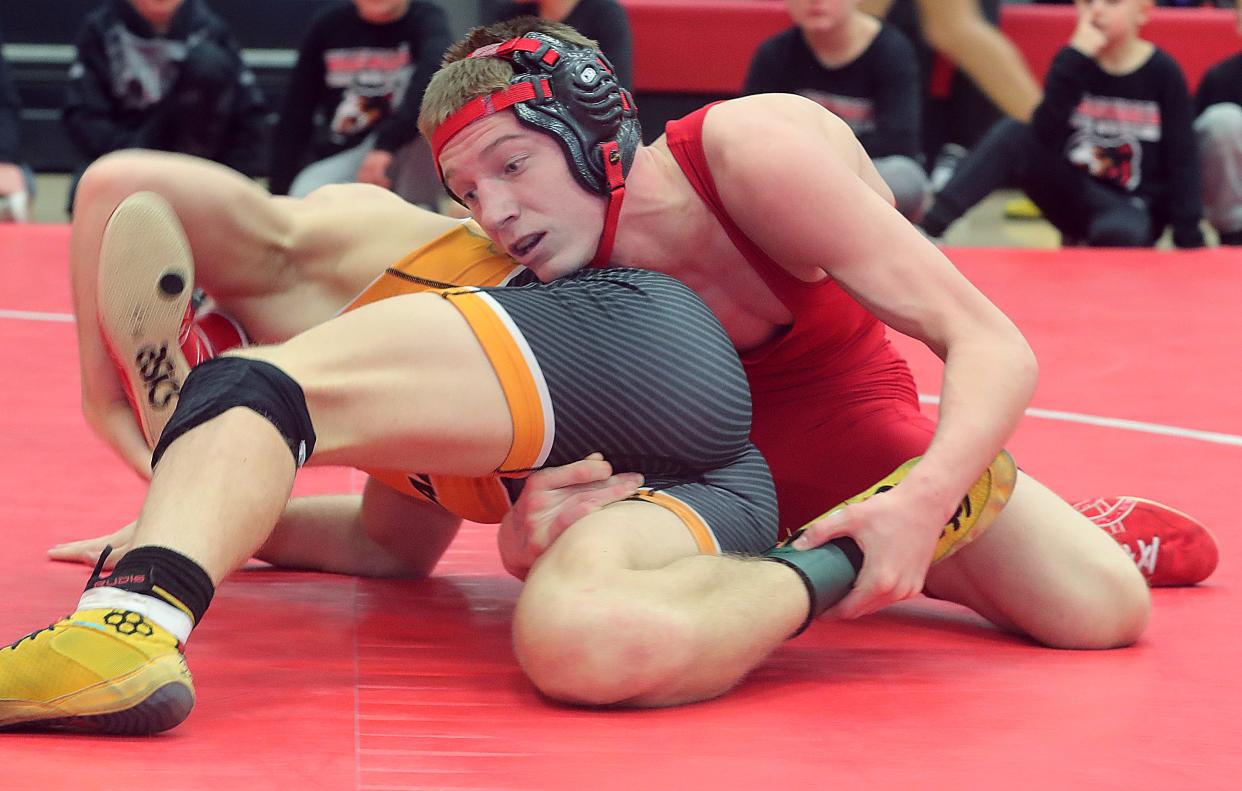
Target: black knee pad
x,y
219,385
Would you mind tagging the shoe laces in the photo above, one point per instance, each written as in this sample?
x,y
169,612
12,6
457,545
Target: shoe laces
x,y
1146,554
95,575
31,636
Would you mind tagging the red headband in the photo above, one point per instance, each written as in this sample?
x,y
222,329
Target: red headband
x,y
484,106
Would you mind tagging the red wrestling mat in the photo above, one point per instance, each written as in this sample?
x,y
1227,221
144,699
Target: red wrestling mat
x,y
316,681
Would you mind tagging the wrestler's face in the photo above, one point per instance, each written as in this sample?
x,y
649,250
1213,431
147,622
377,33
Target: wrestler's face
x,y
820,16
1118,20
517,184
380,11
158,13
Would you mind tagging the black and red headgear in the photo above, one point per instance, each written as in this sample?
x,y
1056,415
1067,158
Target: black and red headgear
x,y
571,93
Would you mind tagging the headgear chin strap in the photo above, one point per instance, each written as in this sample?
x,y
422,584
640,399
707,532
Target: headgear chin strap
x,y
571,93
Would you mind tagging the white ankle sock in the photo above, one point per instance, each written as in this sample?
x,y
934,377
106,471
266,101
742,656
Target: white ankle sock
x,y
168,617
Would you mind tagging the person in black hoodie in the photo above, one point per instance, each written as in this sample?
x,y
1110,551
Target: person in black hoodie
x,y
863,71
16,178
1219,127
1110,155
351,110
166,75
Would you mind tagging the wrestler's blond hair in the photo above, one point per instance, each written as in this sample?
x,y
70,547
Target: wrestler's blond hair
x,y
462,78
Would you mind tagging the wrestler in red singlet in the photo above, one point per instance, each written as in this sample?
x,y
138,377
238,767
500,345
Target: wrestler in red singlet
x,y
835,406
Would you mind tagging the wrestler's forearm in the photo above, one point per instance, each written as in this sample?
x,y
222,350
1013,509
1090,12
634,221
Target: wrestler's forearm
x,y
316,534
988,382
103,400
340,535
84,241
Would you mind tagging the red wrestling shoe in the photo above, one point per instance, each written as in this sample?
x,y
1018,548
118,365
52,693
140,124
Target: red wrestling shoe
x,y
1169,547
146,311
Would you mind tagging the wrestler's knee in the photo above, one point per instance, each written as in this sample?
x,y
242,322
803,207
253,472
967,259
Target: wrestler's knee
x,y
1108,606
582,640
220,385
119,173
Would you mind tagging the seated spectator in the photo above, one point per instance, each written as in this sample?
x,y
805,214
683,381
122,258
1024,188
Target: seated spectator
x,y
972,74
1109,155
1219,128
959,30
16,179
166,75
865,73
602,20
351,108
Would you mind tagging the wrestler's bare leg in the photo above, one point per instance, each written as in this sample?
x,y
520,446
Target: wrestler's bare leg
x,y
277,265
1044,570
377,399
622,609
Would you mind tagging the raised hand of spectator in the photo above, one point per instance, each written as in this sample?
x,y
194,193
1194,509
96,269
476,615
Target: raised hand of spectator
x,y
1087,38
374,169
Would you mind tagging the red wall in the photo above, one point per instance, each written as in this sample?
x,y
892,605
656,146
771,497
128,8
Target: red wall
x,y
704,46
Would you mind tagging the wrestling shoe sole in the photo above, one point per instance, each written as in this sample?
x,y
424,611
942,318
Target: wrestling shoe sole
x,y
146,281
152,698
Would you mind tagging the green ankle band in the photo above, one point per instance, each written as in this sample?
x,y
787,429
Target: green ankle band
x,y
827,571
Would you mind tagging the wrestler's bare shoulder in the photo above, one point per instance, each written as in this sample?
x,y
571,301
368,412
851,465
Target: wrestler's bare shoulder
x,y
770,117
742,137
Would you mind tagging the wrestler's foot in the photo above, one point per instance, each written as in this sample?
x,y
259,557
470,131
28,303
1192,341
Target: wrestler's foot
x,y
978,509
1169,547
829,571
146,280
97,671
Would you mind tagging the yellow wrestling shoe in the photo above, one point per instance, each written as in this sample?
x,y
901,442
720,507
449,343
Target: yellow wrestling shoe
x,y
1022,208
977,510
97,671
829,570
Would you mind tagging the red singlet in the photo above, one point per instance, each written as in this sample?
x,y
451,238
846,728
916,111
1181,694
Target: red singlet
x,y
835,406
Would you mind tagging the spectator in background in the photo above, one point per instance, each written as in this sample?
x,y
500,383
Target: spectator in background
x,y
972,76
1219,128
16,179
162,74
865,73
958,30
1109,155
351,108
602,20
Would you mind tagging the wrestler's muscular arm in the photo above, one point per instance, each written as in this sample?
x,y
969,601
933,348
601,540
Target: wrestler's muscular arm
x,y
381,533
768,159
